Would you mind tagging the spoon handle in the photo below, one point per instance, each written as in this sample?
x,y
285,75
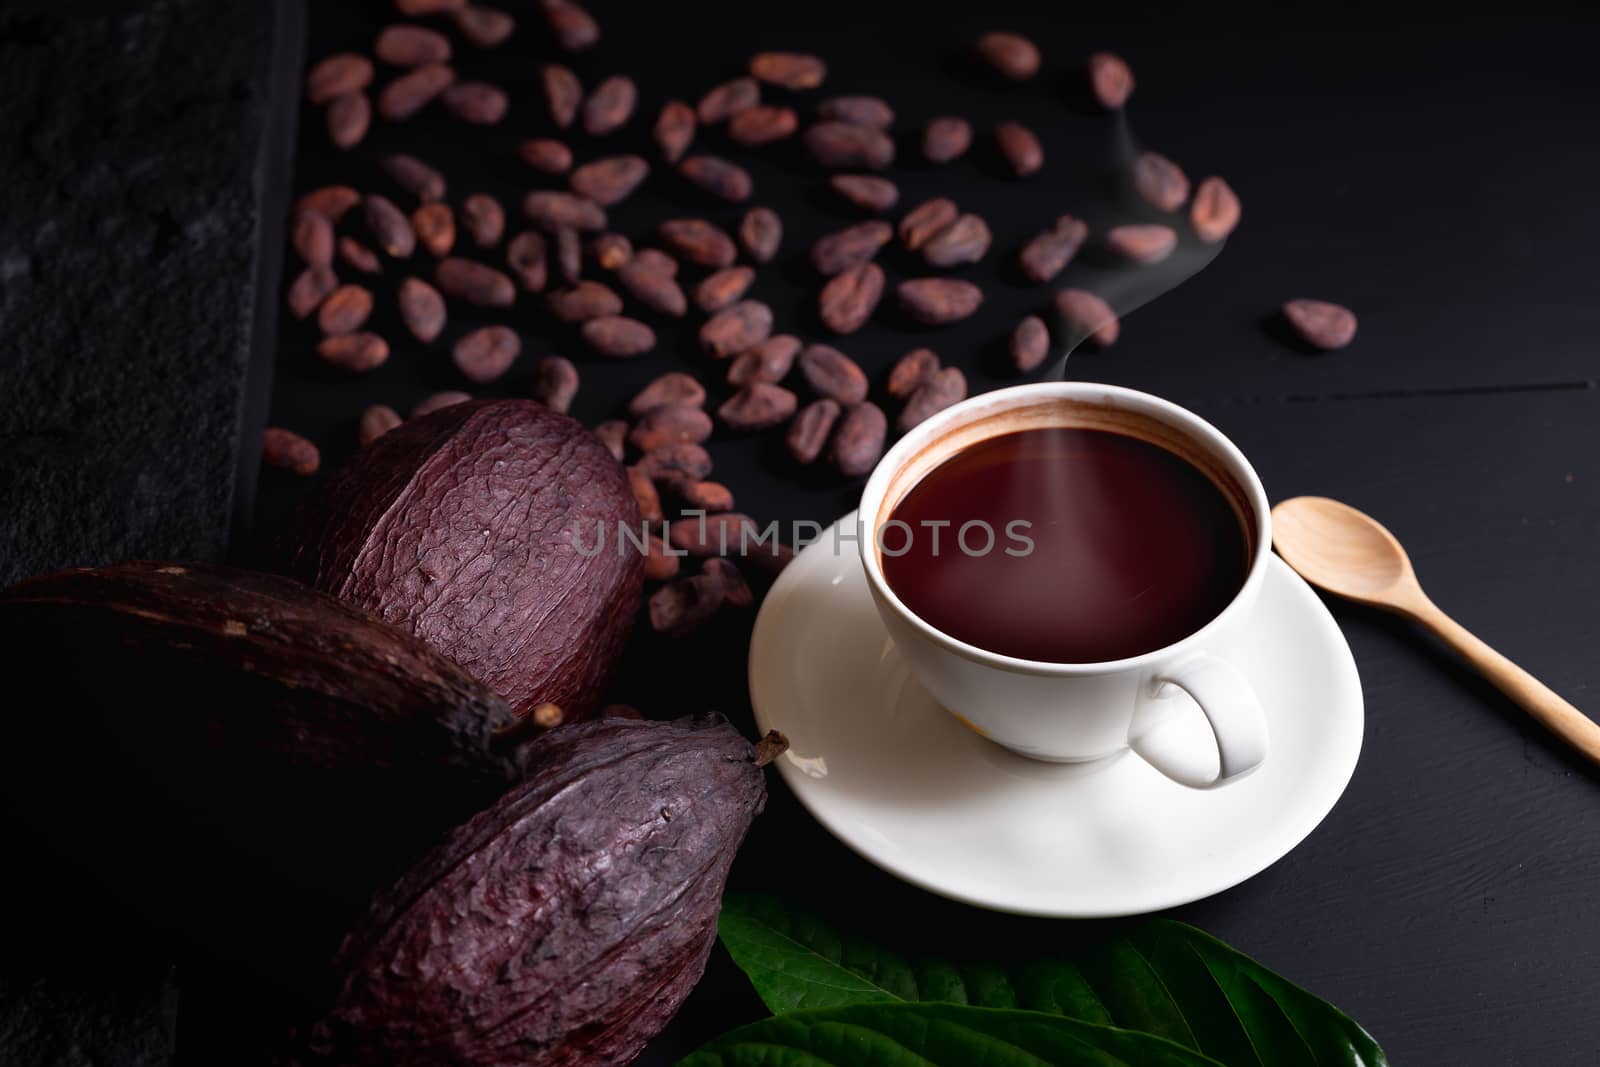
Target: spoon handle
x,y
1536,698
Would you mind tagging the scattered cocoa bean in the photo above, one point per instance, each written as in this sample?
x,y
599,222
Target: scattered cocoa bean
x,y
357,256
850,247
310,289
699,242
761,231
563,93
552,210
676,461
768,361
831,373
376,421
575,29
865,191
681,607
435,226
674,387
810,429
966,240
411,92
546,154
555,383
484,219
614,433
1030,344
345,311
415,177
569,255
620,711
947,387
421,309
674,130
1215,211
618,337
1048,253
911,371
485,354
412,8
653,288
645,495
484,27
584,301
1110,79
713,535
729,332
656,260
611,180
735,590
349,118
474,283
858,442
1086,315
763,125
858,111
1142,243
1160,182
611,251
846,146
1020,148
336,76
946,139
332,202
789,70
525,256
411,46
1011,54
660,564
389,227
1321,324
936,301
720,290
439,401
288,451
757,406
355,353
313,239
925,220
479,103
718,177
850,297
727,100
610,106
670,424
710,497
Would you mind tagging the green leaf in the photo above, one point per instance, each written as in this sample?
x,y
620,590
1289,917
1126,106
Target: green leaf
x,y
936,1035
1165,978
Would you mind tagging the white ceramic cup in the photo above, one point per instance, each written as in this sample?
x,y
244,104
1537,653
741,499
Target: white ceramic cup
x,y
1075,712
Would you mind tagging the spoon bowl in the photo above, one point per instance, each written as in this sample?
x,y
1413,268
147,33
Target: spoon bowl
x,y
1342,550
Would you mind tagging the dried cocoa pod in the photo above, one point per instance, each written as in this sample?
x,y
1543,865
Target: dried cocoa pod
x,y
1010,54
546,154
674,130
411,46
569,255
349,118
718,177
674,387
735,590
563,93
670,424
757,406
376,421
653,288
438,402
850,298
762,125
645,495
761,231
865,191
435,226
389,227
415,177
789,70
551,211
357,256
858,111
519,607
310,289
1321,324
847,146
575,29
925,220
656,260
850,247
768,361
484,26
810,430
484,219
947,387
722,289
611,251
485,354
1110,79
288,451
699,242
966,240
676,461
584,301
475,283
332,202
618,337
346,310
1048,253
727,100
713,535
744,325
1086,315
422,309
345,72
1160,182
610,106
613,433
858,442
946,139
680,608
355,353
413,91
661,564
1215,211
611,180
555,383
1030,344
710,497
1143,243
831,373
1020,148
479,103
525,255
911,371
936,301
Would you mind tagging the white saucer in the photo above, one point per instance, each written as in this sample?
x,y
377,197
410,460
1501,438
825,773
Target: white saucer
x,y
903,783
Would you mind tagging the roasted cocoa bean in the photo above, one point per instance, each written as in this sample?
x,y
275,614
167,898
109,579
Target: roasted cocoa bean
x,y
744,325
415,177
1321,324
866,192
761,231
411,46
858,111
1142,243
613,433
831,373
611,180
389,227
727,100
676,461
762,125
936,301
485,354
584,301
699,242
911,371
287,450
645,495
438,402
947,387
376,421
850,247
474,283
310,289
847,146
611,251
674,387
757,406
850,298
412,8
422,309
1215,211
713,535
555,383
925,220
1010,54
655,289
354,353
569,255
1160,182
1110,79
858,442
435,226
332,202
966,240
551,210
809,431
789,70
722,289
1084,315
1048,253
681,607
574,28
484,26
610,106
1021,149
670,424
656,260
618,337
484,219
768,361
1030,344
525,255
735,590
946,139
546,154
710,497
479,103
349,118
313,239
413,91
674,130
620,711
357,256
661,564
345,311
336,76
718,177
563,93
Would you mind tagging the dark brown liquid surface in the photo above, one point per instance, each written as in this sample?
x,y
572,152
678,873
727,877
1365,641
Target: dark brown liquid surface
x,y
1133,548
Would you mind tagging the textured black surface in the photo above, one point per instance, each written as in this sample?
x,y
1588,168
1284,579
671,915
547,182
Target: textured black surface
x,y
120,1015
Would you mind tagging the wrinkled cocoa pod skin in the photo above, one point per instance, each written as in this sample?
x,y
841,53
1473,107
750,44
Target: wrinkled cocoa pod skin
x,y
400,532
566,924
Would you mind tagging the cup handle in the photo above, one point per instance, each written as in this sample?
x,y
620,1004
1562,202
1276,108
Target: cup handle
x,y
1233,712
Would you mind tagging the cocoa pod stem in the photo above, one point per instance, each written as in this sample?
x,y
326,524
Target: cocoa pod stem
x,y
771,747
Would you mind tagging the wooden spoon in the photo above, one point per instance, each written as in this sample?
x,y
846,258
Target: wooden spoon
x,y
1346,552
